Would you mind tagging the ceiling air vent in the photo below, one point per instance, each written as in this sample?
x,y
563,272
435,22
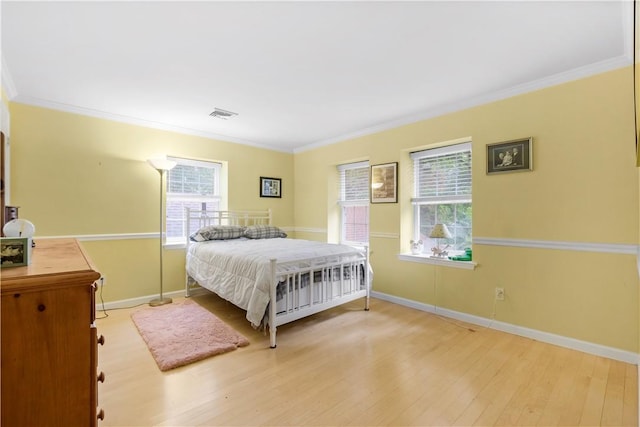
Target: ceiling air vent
x,y
222,114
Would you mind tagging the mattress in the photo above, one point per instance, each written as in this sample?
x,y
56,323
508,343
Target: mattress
x,y
238,270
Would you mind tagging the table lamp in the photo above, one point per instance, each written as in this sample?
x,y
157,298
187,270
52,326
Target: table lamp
x,y
440,231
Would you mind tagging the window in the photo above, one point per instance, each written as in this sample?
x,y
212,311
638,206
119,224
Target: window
x,y
442,178
194,184
354,202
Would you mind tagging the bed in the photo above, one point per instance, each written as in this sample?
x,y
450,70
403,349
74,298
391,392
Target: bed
x,y
243,258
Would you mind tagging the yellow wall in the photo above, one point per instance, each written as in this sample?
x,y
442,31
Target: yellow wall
x,y
74,175
584,189
77,175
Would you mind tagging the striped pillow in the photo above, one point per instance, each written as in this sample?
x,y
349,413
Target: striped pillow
x,y
263,232
218,232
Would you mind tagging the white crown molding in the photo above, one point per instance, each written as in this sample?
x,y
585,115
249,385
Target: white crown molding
x,y
613,248
138,122
581,72
564,77
572,343
626,59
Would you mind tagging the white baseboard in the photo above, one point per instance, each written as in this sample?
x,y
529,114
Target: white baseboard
x,y
574,344
133,302
584,346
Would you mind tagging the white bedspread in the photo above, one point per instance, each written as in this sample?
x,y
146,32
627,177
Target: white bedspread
x,y
239,270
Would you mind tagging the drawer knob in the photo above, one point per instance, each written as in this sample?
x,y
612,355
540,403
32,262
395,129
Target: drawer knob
x,y
42,307
101,377
100,415
101,340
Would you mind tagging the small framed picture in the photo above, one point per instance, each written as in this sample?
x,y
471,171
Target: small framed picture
x,y
270,187
14,251
384,183
510,156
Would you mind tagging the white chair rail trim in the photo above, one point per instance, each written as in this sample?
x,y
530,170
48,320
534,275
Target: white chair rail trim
x,y
383,235
310,230
89,237
613,248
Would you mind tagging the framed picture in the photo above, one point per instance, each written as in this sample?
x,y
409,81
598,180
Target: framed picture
x,y
384,183
270,187
510,156
14,251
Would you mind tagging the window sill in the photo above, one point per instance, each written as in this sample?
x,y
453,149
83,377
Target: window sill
x,y
426,259
174,245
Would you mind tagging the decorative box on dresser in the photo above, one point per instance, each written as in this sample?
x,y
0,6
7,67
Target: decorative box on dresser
x,y
49,341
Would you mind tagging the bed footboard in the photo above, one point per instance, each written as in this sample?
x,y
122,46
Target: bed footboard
x,y
300,292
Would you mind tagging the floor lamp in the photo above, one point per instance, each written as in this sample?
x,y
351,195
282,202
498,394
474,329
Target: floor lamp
x,y
162,166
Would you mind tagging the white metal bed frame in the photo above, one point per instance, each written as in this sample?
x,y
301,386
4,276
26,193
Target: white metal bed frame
x,y
323,294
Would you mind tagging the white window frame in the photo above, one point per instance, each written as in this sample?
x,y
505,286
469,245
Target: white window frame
x,y
216,196
436,200
343,203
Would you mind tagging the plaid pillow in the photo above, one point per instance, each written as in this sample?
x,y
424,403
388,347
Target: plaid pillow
x,y
263,232
218,232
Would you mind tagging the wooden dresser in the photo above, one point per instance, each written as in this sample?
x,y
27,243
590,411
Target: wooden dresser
x,y
49,341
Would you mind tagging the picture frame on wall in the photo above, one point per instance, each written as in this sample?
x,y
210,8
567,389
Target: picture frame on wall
x,y
14,251
384,183
510,156
270,187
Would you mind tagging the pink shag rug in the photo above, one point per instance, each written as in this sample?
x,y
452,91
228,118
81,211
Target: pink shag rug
x,y
181,333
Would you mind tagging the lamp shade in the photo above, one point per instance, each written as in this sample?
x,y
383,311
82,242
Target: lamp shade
x,y
440,231
162,164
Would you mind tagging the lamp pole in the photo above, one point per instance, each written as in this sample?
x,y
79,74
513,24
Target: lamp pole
x,y
162,166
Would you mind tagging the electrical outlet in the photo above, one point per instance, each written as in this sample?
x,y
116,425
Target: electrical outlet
x,y
500,294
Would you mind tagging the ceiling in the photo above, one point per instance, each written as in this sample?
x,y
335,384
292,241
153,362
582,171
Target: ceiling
x,y
299,74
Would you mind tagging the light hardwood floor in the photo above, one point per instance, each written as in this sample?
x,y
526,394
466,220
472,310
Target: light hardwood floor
x,y
391,365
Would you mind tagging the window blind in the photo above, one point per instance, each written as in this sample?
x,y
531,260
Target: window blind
x,y
194,184
442,174
193,178
354,183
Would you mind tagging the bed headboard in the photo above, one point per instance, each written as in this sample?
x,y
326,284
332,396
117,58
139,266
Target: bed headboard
x,y
196,218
